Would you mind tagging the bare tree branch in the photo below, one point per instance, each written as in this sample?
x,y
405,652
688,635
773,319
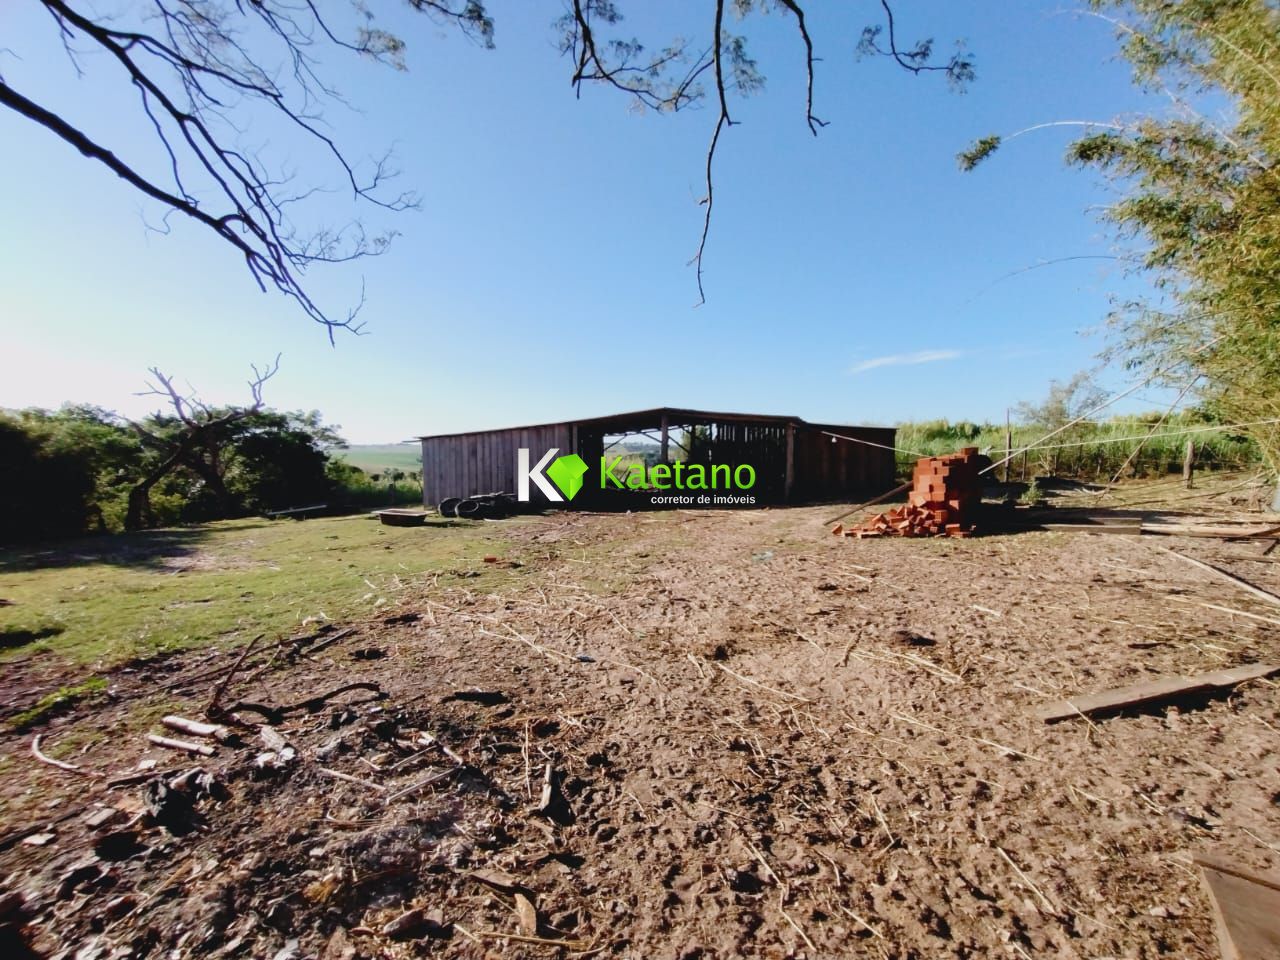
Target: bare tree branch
x,y
814,122
204,69
918,59
722,120
197,445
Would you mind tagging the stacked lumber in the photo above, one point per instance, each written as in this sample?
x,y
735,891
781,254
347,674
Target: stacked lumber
x,y
942,501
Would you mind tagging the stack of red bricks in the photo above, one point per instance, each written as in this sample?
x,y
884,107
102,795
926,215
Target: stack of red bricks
x,y
944,497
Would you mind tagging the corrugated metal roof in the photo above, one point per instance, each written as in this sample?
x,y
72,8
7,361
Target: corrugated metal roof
x,y
651,419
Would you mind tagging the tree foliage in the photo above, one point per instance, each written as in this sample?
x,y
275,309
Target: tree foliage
x,y
73,470
1200,202
210,77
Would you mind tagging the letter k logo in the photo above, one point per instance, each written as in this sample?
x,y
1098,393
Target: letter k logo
x,y
524,475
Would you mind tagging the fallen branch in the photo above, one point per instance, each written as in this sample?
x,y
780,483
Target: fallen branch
x,y
901,488
422,784
276,715
1230,610
519,938
1003,747
211,710
60,764
201,748
195,728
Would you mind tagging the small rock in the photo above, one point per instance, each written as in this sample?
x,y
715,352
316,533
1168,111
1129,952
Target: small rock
x,y
101,817
339,947
40,839
272,739
119,906
406,925
329,749
909,639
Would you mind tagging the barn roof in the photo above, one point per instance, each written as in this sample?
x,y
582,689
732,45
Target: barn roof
x,y
652,419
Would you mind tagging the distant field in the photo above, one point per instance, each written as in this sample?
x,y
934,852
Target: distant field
x,y
377,457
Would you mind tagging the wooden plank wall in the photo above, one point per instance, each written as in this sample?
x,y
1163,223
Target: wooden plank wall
x,y
833,470
763,446
474,463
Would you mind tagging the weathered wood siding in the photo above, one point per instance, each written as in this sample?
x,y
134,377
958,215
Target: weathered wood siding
x,y
468,464
829,469
472,463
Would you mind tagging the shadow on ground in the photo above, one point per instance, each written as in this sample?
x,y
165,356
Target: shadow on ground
x,y
151,549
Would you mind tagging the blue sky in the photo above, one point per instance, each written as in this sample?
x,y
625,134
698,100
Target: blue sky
x,y
854,277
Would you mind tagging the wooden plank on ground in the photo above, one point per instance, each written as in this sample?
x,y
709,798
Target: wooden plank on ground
x,y
1131,529
1246,909
1258,592
1153,691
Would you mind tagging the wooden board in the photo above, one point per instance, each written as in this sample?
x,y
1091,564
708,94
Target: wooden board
x,y
1246,909
1131,529
1153,691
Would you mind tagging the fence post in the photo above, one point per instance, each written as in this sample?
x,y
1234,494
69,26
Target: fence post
x,y
1188,463
1008,445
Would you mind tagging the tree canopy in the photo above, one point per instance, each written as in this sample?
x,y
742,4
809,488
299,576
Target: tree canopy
x,y
80,469
1200,202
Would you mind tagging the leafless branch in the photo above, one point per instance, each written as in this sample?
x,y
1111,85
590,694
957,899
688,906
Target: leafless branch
x,y
722,120
195,66
814,122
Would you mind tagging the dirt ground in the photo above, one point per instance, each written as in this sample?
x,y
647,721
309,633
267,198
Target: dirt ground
x,y
761,740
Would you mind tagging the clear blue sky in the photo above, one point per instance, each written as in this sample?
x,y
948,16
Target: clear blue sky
x,y
850,277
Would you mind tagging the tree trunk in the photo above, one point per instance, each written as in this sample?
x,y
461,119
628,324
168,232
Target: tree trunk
x,y
139,512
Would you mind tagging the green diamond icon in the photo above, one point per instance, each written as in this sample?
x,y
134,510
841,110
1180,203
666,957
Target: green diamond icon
x,y
566,473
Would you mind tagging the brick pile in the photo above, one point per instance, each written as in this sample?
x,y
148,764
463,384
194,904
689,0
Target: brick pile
x,y
944,497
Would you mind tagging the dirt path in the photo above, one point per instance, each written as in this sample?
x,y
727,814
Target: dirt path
x,y
763,742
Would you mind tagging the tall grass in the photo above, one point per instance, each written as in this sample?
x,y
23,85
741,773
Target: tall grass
x,y
1087,451
373,495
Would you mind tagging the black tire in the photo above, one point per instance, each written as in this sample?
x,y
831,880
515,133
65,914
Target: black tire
x,y
449,507
468,510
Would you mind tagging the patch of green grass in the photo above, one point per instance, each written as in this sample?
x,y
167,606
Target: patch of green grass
x,y
64,698
103,601
380,457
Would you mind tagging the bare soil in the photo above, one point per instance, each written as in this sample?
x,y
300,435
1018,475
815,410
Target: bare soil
x,y
762,741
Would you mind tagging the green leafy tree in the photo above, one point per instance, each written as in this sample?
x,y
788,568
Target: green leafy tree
x,y
66,471
1066,401
1200,202
1204,197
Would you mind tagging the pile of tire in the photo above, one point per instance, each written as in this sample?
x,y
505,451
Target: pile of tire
x,y
486,506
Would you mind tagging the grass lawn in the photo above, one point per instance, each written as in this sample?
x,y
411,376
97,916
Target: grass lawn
x,y
98,602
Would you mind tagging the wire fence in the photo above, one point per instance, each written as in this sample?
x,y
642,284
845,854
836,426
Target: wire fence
x,y
1088,451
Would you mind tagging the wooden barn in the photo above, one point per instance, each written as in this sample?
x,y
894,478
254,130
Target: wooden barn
x,y
794,461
